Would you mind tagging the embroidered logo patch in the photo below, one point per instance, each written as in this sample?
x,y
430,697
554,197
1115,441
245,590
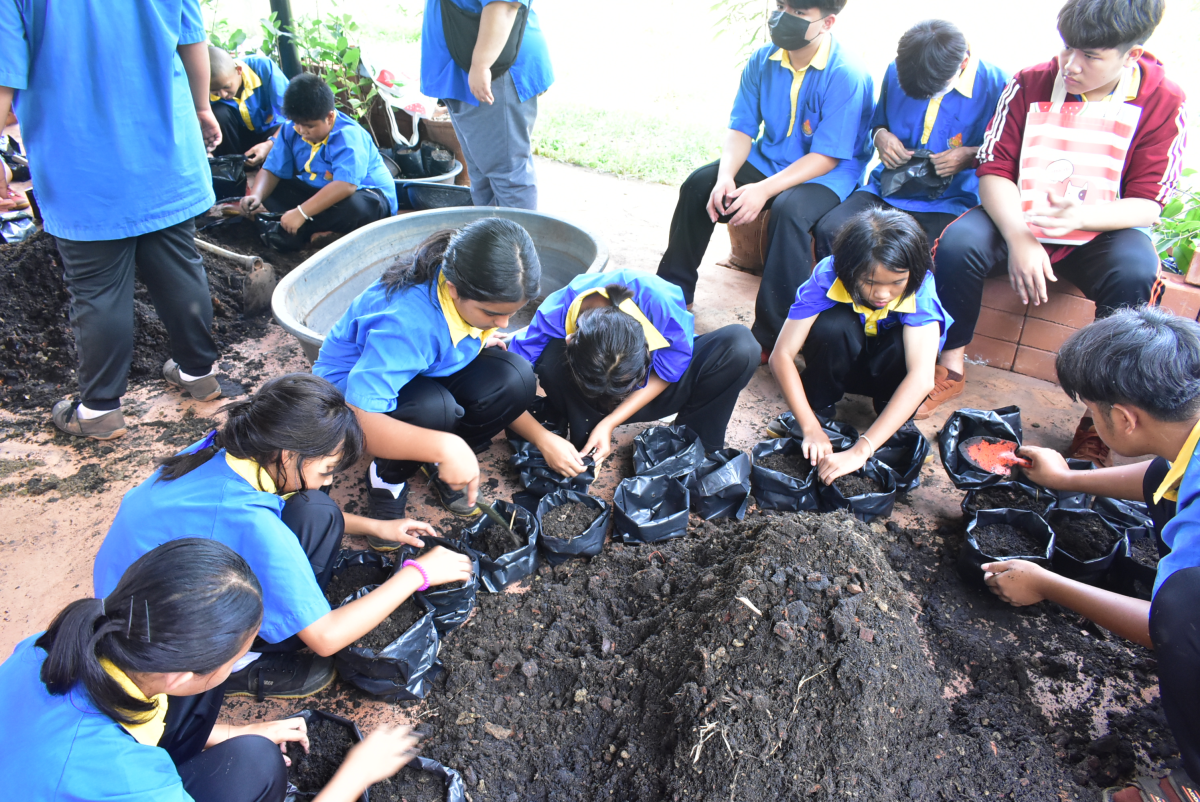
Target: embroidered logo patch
x,y
807,128
328,176
954,141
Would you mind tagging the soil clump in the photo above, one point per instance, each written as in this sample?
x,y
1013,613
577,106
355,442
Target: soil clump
x,y
1084,538
410,785
794,465
494,542
1145,551
328,743
569,521
1005,540
999,497
855,484
351,580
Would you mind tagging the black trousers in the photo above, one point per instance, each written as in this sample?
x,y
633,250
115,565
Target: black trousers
x,y
840,358
100,278
1175,632
933,223
789,263
248,768
363,207
722,363
236,138
1163,511
492,391
1117,268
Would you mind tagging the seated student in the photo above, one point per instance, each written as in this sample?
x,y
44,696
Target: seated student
x,y
869,322
813,104
1102,61
118,698
619,347
326,174
936,96
254,485
1138,373
411,354
247,100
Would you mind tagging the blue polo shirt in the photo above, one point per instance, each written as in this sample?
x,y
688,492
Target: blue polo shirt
x,y
106,113
1182,533
214,501
347,154
657,304
442,78
385,340
958,119
824,109
260,99
62,749
824,290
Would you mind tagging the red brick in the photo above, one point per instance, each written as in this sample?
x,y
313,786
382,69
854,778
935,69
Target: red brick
x,y
998,295
999,325
1065,287
993,352
1044,335
1074,311
1036,363
1180,297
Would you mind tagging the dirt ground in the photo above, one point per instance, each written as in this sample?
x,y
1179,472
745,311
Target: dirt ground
x,y
988,700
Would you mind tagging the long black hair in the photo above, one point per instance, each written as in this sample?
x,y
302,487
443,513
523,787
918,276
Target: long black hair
x,y
886,237
296,412
608,357
490,260
189,605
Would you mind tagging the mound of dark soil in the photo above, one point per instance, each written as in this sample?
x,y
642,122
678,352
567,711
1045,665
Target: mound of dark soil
x,y
1084,538
855,484
239,236
569,521
410,785
351,580
1005,540
1007,498
328,743
391,628
791,464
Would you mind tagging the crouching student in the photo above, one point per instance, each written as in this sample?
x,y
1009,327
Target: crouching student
x,y
411,354
326,175
868,322
118,698
1138,374
620,347
255,486
247,100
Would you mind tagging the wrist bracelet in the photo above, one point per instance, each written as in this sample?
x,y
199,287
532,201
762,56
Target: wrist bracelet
x,y
872,445
302,214
420,570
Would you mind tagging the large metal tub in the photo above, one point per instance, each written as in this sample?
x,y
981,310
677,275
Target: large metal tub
x,y
311,298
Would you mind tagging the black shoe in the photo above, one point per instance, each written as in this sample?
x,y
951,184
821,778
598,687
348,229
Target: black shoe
x,y
453,500
385,502
282,675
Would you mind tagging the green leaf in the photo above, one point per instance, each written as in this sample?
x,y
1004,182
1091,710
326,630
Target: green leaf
x,y
1173,208
1184,252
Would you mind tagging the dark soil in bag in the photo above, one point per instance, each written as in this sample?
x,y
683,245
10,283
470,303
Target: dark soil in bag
x,y
1006,497
391,628
791,464
1006,540
569,521
352,579
410,785
495,542
1144,551
1084,538
857,485
328,743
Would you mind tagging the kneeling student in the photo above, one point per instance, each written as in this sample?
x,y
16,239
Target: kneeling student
x,y
620,347
868,322
1138,374
255,486
247,100
118,698
324,174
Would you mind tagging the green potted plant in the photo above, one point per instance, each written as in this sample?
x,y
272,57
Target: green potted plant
x,y
1177,232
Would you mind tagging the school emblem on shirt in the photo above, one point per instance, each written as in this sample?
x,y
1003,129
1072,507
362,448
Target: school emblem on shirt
x,y
328,176
807,128
954,141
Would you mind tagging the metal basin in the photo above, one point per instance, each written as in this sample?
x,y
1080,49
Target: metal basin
x,y
311,298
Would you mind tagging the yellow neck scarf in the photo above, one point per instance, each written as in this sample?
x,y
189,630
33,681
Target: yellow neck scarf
x,y
906,304
250,82
459,328
1170,483
150,731
654,338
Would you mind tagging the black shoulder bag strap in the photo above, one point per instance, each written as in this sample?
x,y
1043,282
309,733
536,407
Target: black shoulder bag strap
x,y
461,29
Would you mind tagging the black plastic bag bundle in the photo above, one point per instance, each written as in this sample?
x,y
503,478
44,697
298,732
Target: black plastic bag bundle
x,y
917,178
295,794
788,420
1126,575
402,670
720,487
648,509
774,490
350,557
971,557
496,575
228,176
451,606
673,451
1004,423
451,779
1069,565
1123,514
539,478
589,543
868,506
905,453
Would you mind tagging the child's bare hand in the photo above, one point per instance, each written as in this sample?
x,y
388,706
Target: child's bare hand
x,y
292,220
380,755
210,129
1014,581
444,566
258,154
403,530
251,205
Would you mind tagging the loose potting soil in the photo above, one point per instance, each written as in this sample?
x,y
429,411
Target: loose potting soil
x,y
1005,540
328,743
351,580
791,464
494,542
1084,537
391,628
1145,551
853,484
1005,498
569,521
410,785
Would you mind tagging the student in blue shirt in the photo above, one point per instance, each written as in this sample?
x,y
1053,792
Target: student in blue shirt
x,y
324,175
255,486
130,211
247,100
937,97
119,697
813,104
869,322
412,356
487,59
620,347
1138,373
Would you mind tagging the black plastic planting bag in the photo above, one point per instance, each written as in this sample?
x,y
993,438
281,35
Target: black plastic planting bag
x,y
971,502
588,543
774,490
452,781
650,508
538,477
402,670
1123,514
867,506
497,574
295,794
1074,566
673,451
720,487
1126,575
451,606
971,557
228,176
1004,423
905,453
917,178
